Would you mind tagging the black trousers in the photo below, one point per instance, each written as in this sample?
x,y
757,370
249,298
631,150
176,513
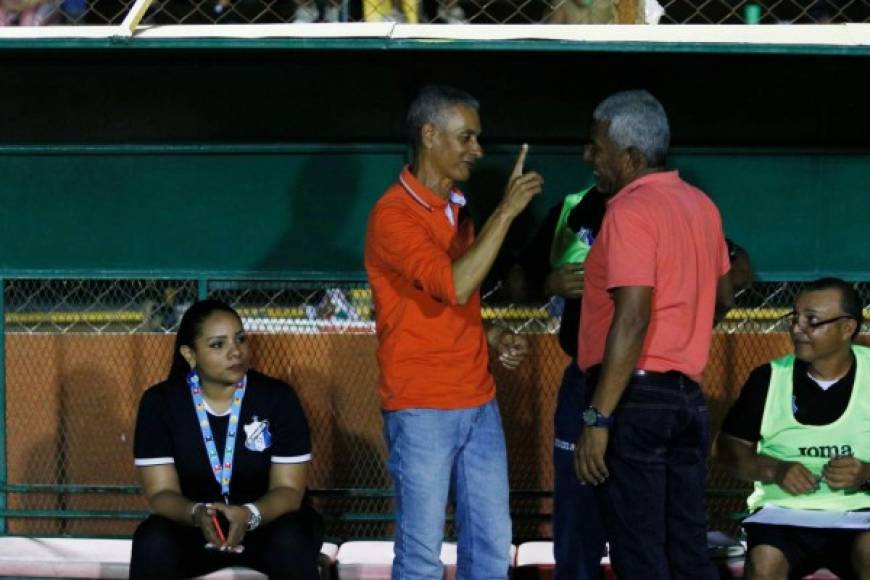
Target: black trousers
x,y
808,549
286,548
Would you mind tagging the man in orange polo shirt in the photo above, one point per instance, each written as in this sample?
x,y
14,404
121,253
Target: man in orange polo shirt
x,y
441,420
653,278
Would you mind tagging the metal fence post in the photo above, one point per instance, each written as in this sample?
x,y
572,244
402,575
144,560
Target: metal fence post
x,y
201,288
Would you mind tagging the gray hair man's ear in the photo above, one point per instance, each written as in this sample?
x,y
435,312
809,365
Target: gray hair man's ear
x,y
638,159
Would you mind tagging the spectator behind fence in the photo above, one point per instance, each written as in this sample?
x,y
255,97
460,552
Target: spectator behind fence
x,y
450,12
653,278
441,419
308,11
219,444
801,431
407,11
29,12
605,12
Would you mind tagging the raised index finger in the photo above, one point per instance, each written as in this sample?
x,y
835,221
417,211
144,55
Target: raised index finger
x,y
521,160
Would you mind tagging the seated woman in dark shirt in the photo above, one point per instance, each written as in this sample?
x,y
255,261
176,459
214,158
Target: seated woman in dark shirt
x,y
223,453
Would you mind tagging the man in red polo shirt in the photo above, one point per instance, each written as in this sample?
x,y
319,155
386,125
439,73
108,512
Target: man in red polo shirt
x,y
441,420
652,281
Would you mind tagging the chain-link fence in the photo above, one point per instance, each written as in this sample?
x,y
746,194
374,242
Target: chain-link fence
x,y
40,12
79,354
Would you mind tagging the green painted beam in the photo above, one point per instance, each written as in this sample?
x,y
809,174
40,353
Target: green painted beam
x,y
24,488
360,492
207,148
74,514
235,277
428,45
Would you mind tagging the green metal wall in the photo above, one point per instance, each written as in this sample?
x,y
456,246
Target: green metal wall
x,y
252,157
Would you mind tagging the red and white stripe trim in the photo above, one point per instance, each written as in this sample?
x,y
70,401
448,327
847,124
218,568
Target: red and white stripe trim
x,y
455,198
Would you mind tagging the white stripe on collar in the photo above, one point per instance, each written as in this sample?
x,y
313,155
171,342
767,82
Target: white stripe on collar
x,y
455,198
413,193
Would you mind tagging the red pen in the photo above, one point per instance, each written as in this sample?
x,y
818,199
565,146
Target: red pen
x,y
217,527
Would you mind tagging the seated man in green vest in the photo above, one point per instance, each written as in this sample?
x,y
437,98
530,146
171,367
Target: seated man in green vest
x,y
801,431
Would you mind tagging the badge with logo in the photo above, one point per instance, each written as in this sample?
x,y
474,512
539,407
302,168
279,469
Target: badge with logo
x,y
556,306
257,436
585,236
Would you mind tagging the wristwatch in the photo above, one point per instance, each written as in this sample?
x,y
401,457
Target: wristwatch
x,y
592,417
193,511
255,519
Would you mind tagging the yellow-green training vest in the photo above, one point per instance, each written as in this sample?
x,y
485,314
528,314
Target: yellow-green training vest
x,y
569,247
784,438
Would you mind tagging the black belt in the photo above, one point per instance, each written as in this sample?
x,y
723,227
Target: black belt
x,y
675,378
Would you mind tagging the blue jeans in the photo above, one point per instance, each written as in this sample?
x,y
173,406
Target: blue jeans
x,y
435,454
578,533
653,500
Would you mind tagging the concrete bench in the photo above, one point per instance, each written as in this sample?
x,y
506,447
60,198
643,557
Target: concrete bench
x,y
535,561
96,558
374,560
364,560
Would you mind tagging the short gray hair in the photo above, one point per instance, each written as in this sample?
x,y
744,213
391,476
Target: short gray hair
x,y
637,119
429,106
850,300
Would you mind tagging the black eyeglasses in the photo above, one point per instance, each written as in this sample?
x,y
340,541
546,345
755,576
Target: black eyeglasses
x,y
808,323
